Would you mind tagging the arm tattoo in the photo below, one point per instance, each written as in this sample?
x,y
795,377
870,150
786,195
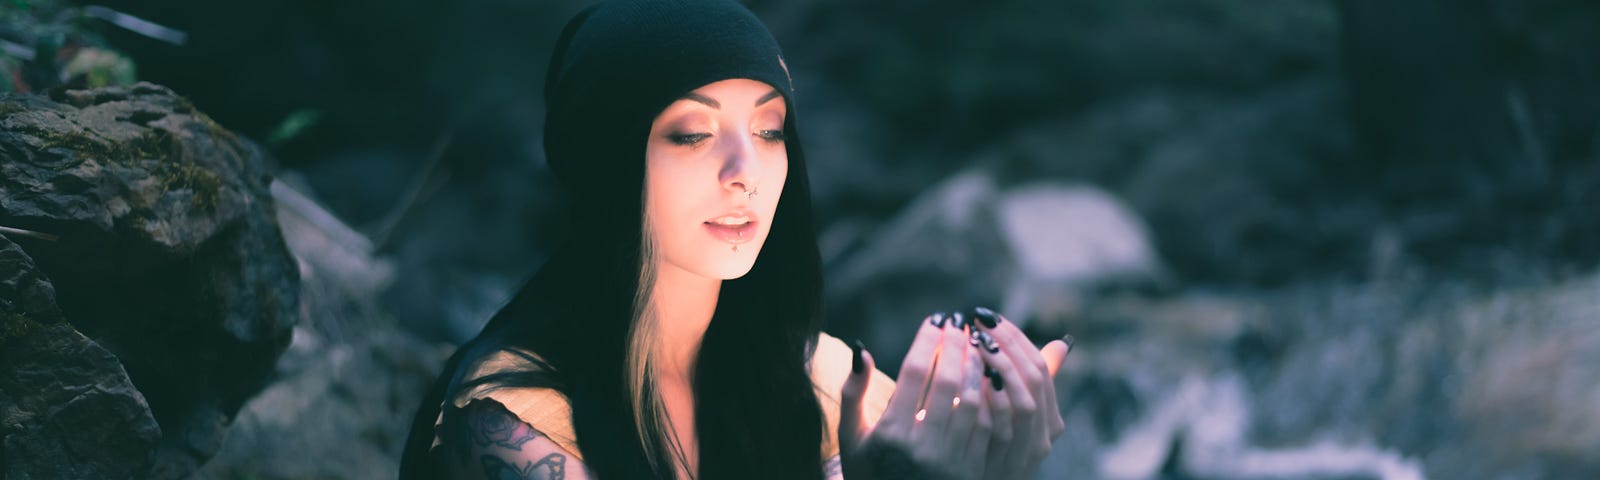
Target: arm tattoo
x,y
551,467
489,423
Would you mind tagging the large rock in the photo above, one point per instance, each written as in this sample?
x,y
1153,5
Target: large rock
x,y
169,254
67,408
24,292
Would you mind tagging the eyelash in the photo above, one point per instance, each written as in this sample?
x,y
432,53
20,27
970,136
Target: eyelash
x,y
694,139
688,139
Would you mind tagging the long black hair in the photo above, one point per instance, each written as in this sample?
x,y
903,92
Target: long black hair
x,y
616,66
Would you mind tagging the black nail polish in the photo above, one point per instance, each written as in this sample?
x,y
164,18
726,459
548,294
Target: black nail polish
x,y
956,321
988,343
994,379
1068,338
856,363
986,316
937,320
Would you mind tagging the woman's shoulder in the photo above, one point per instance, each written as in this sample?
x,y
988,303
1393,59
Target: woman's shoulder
x,y
494,443
544,409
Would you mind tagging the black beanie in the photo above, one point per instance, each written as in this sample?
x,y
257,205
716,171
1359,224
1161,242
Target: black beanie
x,y
620,63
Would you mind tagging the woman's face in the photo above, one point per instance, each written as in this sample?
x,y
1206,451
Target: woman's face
x,y
707,153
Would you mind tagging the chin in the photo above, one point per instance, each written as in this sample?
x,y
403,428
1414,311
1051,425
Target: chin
x,y
734,267
722,263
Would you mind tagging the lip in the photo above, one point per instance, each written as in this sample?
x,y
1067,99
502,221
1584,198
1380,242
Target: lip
x,y
733,234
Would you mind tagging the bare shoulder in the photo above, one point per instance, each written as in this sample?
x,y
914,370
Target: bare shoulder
x,y
500,446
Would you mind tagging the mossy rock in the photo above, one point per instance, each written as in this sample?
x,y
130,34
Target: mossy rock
x,y
169,253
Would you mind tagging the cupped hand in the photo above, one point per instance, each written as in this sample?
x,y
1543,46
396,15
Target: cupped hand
x,y
1027,418
949,416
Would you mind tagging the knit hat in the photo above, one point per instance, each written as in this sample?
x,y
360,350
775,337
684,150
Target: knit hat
x,y
619,63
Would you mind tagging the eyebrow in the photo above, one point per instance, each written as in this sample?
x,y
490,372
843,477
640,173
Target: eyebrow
x,y
710,102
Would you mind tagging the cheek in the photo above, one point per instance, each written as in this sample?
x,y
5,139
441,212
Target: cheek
x,y
670,199
769,204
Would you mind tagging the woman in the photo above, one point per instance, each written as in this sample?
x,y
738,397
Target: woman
x,y
676,332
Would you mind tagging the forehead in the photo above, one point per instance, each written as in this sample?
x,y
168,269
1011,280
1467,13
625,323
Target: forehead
x,y
736,91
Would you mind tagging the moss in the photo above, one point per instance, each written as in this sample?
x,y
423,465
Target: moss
x,y
183,105
216,131
8,108
153,143
16,325
204,185
78,142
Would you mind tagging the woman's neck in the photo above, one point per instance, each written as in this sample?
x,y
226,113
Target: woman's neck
x,y
684,303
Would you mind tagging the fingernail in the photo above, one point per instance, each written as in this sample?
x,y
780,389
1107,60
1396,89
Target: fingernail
x,y
856,362
984,340
987,317
956,321
988,342
937,320
1068,338
994,379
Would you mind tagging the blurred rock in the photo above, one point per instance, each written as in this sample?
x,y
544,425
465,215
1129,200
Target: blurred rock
x,y
169,255
1030,250
351,378
1065,238
1525,385
1233,186
340,277
1395,380
67,408
341,410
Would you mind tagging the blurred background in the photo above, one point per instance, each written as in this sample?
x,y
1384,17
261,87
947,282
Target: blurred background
x,y
1298,239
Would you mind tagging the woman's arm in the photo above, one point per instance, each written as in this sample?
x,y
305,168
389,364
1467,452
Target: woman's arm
x,y
831,469
500,446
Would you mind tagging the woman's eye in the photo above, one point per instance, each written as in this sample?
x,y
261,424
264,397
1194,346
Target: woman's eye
x,y
688,139
773,136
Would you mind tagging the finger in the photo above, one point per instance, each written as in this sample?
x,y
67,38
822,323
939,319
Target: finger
x,y
1000,438
1007,334
914,372
1013,401
1055,353
1038,369
851,428
971,422
948,376
1020,422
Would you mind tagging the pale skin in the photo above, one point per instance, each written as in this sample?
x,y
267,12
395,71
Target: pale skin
x,y
706,153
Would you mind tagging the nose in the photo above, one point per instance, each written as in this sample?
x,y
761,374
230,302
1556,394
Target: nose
x,y
741,168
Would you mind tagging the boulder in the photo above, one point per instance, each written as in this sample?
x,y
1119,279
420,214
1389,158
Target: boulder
x,y
67,408
168,255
